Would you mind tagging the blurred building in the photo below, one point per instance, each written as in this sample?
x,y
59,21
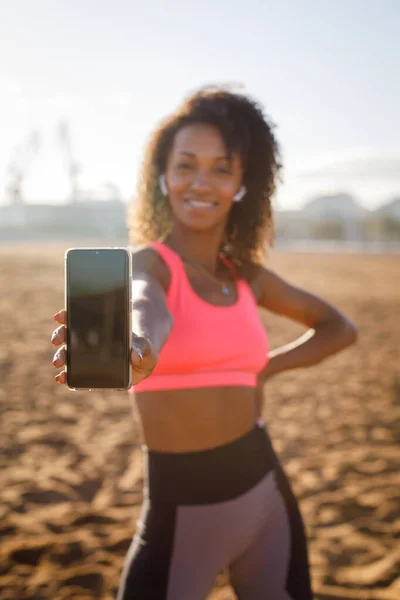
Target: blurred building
x,y
91,218
391,209
339,217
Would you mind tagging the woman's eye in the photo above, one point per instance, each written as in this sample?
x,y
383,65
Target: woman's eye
x,y
226,171
183,166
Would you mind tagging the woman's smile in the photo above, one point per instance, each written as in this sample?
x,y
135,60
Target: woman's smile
x,y
199,205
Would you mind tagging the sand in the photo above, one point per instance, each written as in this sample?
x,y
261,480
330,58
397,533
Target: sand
x,y
71,466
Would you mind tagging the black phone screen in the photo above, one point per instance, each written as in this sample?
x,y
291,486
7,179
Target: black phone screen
x,y
98,336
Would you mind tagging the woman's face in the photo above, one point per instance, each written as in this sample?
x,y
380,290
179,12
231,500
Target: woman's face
x,y
200,178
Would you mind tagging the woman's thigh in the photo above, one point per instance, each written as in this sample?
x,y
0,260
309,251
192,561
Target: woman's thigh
x,y
171,557
276,565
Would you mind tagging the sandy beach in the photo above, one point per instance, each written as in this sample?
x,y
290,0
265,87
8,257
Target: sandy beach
x,y
71,464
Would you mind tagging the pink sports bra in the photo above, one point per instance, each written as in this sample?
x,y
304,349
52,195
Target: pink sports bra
x,y
208,346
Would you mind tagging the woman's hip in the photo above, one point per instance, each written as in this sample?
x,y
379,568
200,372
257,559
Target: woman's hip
x,y
210,476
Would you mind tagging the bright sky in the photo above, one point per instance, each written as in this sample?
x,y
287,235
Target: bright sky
x,y
326,71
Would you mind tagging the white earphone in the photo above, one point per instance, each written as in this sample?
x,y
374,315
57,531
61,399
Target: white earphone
x,y
239,195
236,198
163,185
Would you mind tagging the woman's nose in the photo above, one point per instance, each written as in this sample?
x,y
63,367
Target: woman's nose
x,y
201,182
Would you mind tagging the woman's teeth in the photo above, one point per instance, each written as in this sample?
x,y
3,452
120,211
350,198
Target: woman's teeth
x,y
199,204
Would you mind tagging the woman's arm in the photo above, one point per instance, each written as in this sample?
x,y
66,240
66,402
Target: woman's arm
x,y
329,330
151,319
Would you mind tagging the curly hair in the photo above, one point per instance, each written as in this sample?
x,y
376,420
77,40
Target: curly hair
x,y
245,130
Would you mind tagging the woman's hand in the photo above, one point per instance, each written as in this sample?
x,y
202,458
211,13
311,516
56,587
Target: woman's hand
x,y
143,359
143,355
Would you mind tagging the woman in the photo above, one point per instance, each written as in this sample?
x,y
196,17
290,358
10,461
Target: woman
x,y
216,496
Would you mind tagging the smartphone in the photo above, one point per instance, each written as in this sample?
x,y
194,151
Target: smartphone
x,y
98,327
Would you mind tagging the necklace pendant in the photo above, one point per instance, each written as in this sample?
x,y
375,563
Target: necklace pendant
x,y
225,291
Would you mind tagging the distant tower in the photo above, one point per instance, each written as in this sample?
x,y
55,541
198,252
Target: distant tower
x,y
19,165
114,191
73,167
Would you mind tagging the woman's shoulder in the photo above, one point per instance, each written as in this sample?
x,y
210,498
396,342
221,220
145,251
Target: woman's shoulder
x,y
146,259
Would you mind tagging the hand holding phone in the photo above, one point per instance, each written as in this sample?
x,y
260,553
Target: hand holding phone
x,y
143,357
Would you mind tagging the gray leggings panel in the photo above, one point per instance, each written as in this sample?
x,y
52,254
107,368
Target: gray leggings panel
x,y
210,537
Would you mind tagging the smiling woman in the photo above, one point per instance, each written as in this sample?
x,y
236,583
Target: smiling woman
x,y
216,496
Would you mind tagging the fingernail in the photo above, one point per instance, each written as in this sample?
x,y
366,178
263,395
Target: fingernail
x,y
53,337
138,351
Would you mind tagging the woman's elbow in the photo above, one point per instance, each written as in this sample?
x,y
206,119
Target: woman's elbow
x,y
350,332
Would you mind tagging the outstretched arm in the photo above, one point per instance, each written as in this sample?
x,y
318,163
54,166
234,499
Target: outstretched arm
x,y
151,319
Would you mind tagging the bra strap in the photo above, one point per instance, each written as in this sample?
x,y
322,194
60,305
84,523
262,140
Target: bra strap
x,y
230,266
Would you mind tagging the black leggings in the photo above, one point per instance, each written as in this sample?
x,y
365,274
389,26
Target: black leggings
x,y
230,508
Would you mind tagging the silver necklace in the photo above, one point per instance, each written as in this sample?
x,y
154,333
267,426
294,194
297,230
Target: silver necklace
x,y
223,286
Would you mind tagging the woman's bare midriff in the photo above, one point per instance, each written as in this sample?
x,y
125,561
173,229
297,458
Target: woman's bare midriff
x,y
195,419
